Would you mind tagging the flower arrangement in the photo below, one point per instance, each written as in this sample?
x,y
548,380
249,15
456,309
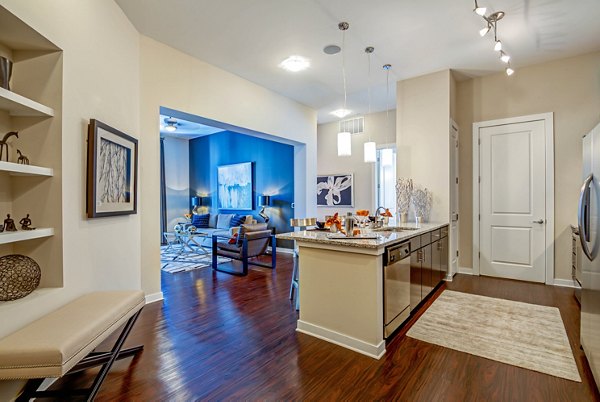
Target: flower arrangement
x,y
387,213
334,221
422,200
187,216
404,193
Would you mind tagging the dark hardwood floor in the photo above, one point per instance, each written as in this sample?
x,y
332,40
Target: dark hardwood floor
x,y
218,337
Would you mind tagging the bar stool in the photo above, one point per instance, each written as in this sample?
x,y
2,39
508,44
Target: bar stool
x,y
301,223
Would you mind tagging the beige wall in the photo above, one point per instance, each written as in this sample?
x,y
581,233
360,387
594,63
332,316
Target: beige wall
x,y
423,121
571,89
175,80
100,80
381,131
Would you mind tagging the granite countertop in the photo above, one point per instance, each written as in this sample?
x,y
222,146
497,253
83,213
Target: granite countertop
x,y
385,237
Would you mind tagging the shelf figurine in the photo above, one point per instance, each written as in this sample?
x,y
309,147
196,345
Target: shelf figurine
x,y
23,160
26,223
3,143
9,224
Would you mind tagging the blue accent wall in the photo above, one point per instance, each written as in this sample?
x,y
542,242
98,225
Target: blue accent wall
x,y
272,170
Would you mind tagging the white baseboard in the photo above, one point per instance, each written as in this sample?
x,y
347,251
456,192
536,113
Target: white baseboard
x,y
154,297
374,351
465,271
566,283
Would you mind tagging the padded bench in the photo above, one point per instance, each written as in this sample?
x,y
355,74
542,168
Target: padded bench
x,y
63,341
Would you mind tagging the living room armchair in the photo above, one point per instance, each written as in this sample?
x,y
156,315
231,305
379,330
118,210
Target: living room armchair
x,y
252,242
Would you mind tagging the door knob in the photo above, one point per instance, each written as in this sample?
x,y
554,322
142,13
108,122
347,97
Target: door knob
x,y
540,221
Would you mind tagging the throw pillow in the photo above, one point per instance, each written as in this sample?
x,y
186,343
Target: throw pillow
x,y
250,228
212,221
233,239
200,221
237,220
223,221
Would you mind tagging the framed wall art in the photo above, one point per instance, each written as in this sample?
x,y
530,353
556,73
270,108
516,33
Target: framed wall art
x,y
234,183
111,171
335,190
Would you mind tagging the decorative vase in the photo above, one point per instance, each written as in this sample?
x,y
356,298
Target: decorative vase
x,y
404,217
5,72
418,221
19,276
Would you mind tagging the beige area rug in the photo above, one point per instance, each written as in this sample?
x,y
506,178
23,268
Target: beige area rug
x,y
521,334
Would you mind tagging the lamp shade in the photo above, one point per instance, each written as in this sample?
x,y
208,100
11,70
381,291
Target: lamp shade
x,y
264,200
344,144
196,201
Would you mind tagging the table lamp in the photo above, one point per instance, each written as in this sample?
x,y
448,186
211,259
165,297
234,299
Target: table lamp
x,y
264,201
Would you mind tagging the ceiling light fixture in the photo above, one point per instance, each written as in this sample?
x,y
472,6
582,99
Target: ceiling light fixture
x,y
341,113
484,31
295,64
344,143
479,10
387,153
492,22
370,148
171,125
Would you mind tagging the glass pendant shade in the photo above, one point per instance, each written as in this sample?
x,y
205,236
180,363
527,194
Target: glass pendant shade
x,y
344,144
387,157
370,152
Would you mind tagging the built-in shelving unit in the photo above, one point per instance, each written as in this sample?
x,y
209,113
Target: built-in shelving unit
x,y
16,169
17,105
32,108
12,237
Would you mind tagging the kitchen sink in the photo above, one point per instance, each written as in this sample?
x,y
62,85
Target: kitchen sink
x,y
395,228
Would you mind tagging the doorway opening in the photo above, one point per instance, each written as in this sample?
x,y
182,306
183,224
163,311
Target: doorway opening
x,y
385,179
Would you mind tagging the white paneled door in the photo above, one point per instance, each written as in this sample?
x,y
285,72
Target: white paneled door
x,y
512,201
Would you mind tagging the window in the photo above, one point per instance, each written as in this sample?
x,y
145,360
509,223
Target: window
x,y
385,179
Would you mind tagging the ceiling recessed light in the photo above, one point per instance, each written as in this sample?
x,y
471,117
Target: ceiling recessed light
x,y
341,113
332,49
295,64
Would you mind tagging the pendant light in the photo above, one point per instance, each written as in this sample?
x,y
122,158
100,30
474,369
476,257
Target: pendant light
x,y
344,139
370,148
387,153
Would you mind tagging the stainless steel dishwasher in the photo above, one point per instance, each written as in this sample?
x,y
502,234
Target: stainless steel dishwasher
x,y
396,286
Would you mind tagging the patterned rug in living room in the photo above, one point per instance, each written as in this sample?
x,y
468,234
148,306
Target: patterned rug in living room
x,y
172,261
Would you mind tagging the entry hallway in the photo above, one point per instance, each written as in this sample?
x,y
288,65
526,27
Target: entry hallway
x,y
218,337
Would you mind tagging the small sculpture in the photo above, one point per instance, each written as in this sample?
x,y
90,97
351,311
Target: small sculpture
x,y
9,224
23,160
26,223
4,144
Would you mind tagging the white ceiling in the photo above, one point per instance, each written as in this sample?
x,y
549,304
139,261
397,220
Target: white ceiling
x,y
251,37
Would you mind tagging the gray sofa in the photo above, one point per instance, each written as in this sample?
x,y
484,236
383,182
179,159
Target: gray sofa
x,y
219,224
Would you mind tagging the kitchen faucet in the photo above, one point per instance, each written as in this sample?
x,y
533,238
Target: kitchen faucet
x,y
378,220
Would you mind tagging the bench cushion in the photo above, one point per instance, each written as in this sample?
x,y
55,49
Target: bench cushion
x,y
52,345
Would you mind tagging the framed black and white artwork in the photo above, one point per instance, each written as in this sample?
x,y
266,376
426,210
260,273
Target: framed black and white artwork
x,y
335,190
111,171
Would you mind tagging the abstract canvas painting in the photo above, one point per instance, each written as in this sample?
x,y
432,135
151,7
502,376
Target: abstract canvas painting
x,y
112,171
335,190
234,184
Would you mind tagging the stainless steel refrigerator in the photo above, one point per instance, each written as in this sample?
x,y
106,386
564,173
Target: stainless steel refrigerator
x,y
589,236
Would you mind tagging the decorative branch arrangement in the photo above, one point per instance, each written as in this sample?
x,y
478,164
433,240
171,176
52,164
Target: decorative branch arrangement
x,y
404,191
422,200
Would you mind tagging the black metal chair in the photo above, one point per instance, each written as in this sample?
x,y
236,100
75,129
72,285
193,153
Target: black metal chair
x,y
251,245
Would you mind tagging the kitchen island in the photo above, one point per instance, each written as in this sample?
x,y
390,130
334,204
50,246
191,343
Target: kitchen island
x,y
342,282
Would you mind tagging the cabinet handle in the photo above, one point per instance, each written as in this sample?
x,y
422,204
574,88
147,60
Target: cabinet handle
x,y
440,247
420,255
